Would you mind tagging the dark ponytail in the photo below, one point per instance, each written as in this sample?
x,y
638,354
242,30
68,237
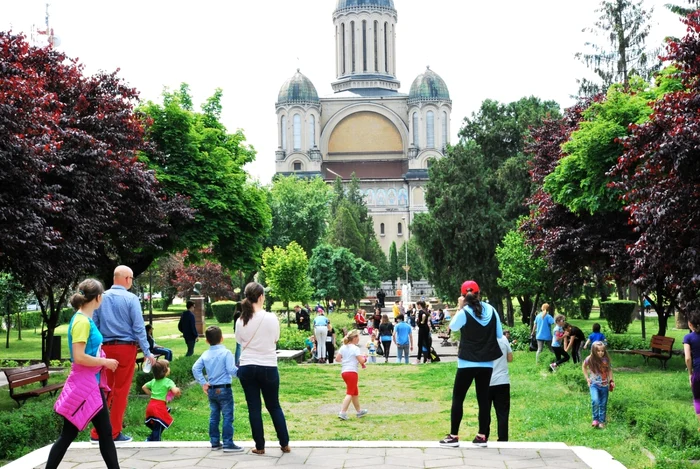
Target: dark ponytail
x,y
252,293
88,290
474,303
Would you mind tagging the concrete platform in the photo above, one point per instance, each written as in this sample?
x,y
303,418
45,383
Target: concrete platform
x,y
331,455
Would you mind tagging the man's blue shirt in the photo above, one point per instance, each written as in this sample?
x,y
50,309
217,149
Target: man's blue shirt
x,y
219,363
119,317
403,332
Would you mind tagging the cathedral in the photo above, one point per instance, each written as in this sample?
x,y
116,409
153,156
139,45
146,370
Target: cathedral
x,y
367,127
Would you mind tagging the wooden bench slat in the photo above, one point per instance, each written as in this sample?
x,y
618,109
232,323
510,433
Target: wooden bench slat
x,y
661,349
17,377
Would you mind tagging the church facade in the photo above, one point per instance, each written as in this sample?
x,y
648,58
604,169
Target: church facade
x,y
367,127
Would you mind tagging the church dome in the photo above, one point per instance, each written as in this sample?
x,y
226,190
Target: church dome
x,y
428,87
298,89
359,4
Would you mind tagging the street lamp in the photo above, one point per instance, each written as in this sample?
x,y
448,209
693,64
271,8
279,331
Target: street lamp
x,y
406,267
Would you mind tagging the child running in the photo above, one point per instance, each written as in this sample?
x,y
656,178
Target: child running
x,y
599,375
558,342
596,336
158,417
218,362
350,357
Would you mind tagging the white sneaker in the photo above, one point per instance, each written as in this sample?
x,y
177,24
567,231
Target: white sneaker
x,y
342,416
362,413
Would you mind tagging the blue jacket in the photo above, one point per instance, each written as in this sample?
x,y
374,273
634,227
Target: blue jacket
x,y
187,326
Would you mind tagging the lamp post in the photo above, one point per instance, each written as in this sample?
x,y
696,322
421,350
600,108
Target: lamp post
x,y
406,267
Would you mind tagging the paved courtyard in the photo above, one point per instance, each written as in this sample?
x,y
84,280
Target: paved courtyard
x,y
332,455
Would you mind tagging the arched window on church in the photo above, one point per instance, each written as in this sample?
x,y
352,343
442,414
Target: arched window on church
x,y
296,128
415,129
400,229
444,130
381,229
283,132
430,129
312,131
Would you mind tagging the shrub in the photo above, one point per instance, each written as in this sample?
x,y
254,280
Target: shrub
x,y
65,315
626,342
224,310
32,426
618,314
208,311
519,337
292,338
585,305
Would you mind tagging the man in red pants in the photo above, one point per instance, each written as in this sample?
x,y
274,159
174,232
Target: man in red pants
x,y
120,320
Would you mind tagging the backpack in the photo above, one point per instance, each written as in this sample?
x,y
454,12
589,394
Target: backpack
x,y
434,357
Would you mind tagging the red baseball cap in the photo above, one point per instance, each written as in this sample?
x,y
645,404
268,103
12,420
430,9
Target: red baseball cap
x,y
470,286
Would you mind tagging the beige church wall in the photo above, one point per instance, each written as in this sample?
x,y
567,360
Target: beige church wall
x,y
391,221
417,197
396,106
365,132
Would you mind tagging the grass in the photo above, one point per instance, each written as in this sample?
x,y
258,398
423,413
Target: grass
x,y
650,410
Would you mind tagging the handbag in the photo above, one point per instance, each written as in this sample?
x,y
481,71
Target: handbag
x,y
380,349
533,343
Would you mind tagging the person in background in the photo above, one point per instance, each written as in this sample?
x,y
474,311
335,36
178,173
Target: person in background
x,y
599,375
84,341
424,339
258,333
559,335
321,333
395,310
403,338
380,297
386,331
330,343
574,341
188,327
120,321
691,351
596,336
218,362
480,328
155,348
350,357
542,330
499,388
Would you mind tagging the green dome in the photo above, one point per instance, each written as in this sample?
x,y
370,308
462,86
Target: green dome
x,y
428,87
298,89
359,4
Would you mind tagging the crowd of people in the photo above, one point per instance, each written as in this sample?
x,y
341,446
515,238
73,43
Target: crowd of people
x,y
107,329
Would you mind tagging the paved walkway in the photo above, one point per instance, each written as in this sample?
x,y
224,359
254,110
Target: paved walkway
x,y
332,455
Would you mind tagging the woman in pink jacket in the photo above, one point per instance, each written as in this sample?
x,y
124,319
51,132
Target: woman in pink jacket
x,y
84,342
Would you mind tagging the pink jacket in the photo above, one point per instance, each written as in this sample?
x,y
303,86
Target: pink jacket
x,y
81,398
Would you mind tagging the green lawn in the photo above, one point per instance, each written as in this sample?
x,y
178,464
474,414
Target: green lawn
x,y
650,410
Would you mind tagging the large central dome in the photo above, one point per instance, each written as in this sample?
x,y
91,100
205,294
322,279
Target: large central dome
x,y
359,4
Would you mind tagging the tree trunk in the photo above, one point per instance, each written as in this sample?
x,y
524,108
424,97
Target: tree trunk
x,y
526,307
509,310
532,311
19,326
681,319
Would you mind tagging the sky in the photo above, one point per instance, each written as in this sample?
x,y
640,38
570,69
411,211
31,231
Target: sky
x,y
502,50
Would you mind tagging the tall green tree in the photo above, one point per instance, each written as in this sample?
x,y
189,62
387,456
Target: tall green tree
x,y
624,26
195,156
286,271
394,266
300,210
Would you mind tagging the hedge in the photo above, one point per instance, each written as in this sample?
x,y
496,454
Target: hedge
x,y
224,310
32,426
618,314
585,305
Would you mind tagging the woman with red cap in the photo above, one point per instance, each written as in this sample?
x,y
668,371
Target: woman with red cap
x,y
480,328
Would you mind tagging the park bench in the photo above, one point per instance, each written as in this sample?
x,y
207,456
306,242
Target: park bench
x,y
661,349
18,377
139,359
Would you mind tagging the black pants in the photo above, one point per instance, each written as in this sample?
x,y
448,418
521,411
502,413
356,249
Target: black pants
x,y
424,340
562,356
70,432
463,380
576,351
499,397
330,351
386,345
190,347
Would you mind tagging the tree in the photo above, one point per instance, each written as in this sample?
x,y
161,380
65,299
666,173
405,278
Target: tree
x,y
71,189
300,209
193,155
394,269
659,175
286,271
12,299
215,280
625,25
337,273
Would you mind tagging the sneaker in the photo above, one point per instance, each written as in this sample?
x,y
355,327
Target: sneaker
x,y
601,425
362,413
553,366
480,441
233,449
449,440
217,447
594,423
342,416
122,438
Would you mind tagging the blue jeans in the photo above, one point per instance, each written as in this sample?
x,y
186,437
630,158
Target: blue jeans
x,y
166,352
266,380
220,403
237,356
402,351
599,402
